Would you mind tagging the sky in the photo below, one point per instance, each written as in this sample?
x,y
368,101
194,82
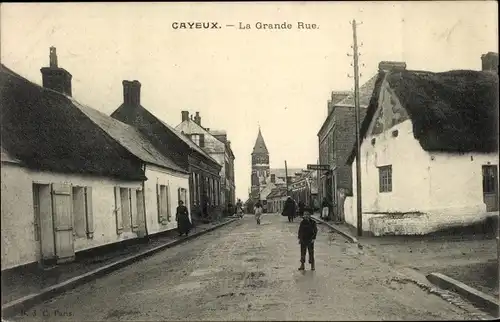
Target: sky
x,y
240,79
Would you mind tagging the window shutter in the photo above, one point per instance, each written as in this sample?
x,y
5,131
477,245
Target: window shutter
x,y
133,209
158,203
63,221
118,213
169,211
89,213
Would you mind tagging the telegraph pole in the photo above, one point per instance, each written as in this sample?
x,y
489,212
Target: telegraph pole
x,y
357,119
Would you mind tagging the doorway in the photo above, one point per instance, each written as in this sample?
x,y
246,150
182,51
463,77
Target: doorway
x,y
490,187
53,222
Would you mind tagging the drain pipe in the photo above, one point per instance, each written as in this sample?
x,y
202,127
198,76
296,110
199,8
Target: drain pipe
x,y
144,204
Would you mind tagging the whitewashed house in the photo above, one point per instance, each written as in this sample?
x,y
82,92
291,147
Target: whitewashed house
x,y
166,182
429,152
69,184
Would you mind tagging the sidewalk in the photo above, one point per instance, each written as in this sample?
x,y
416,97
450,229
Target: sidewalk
x,y
471,259
18,284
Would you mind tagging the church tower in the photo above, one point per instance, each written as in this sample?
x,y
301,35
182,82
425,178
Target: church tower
x,y
260,166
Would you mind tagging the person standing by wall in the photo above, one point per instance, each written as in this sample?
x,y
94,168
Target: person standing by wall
x,y
182,218
325,209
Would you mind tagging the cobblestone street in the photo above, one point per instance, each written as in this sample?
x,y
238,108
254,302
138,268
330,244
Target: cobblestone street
x,y
249,272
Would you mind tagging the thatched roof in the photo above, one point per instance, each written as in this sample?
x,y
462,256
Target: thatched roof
x,y
130,138
455,111
46,131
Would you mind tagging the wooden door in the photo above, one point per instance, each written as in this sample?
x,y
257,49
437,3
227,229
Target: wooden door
x,y
63,222
490,187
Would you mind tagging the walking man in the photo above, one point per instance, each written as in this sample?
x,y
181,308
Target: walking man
x,y
289,209
307,235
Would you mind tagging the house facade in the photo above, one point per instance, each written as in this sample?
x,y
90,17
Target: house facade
x,y
215,144
166,184
276,200
204,181
429,154
304,187
74,178
59,174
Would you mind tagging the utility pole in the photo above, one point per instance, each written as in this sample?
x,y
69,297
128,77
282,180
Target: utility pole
x,y
357,119
286,180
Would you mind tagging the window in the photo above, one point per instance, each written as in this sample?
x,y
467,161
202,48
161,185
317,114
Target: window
x,y
163,203
128,204
196,138
199,139
385,178
82,212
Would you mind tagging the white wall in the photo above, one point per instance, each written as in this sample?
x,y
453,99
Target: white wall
x,y
446,188
175,181
18,243
457,182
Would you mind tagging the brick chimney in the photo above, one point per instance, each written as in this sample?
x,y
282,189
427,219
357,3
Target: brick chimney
x,y
54,77
185,116
131,92
197,118
387,66
490,62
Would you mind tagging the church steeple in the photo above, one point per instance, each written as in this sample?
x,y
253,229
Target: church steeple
x,y
260,145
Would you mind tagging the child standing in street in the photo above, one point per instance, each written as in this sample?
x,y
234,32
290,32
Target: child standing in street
x,y
258,212
307,235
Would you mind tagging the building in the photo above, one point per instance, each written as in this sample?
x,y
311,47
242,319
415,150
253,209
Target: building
x,y
166,183
304,187
260,175
215,144
336,137
276,199
430,145
73,178
263,178
204,181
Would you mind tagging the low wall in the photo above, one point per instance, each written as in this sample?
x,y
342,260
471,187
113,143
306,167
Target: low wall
x,y
420,223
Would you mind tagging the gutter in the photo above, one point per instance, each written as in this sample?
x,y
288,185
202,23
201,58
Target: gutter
x,y
144,202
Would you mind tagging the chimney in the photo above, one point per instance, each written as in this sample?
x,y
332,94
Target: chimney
x,y
131,92
55,78
197,118
185,116
490,62
387,66
273,178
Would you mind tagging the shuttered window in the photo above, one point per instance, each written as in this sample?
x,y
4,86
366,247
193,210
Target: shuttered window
x,y
163,204
83,221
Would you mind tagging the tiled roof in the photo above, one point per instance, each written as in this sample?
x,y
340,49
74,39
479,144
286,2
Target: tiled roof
x,y
130,138
365,94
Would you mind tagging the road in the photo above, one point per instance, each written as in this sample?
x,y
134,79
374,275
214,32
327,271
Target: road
x,y
249,272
